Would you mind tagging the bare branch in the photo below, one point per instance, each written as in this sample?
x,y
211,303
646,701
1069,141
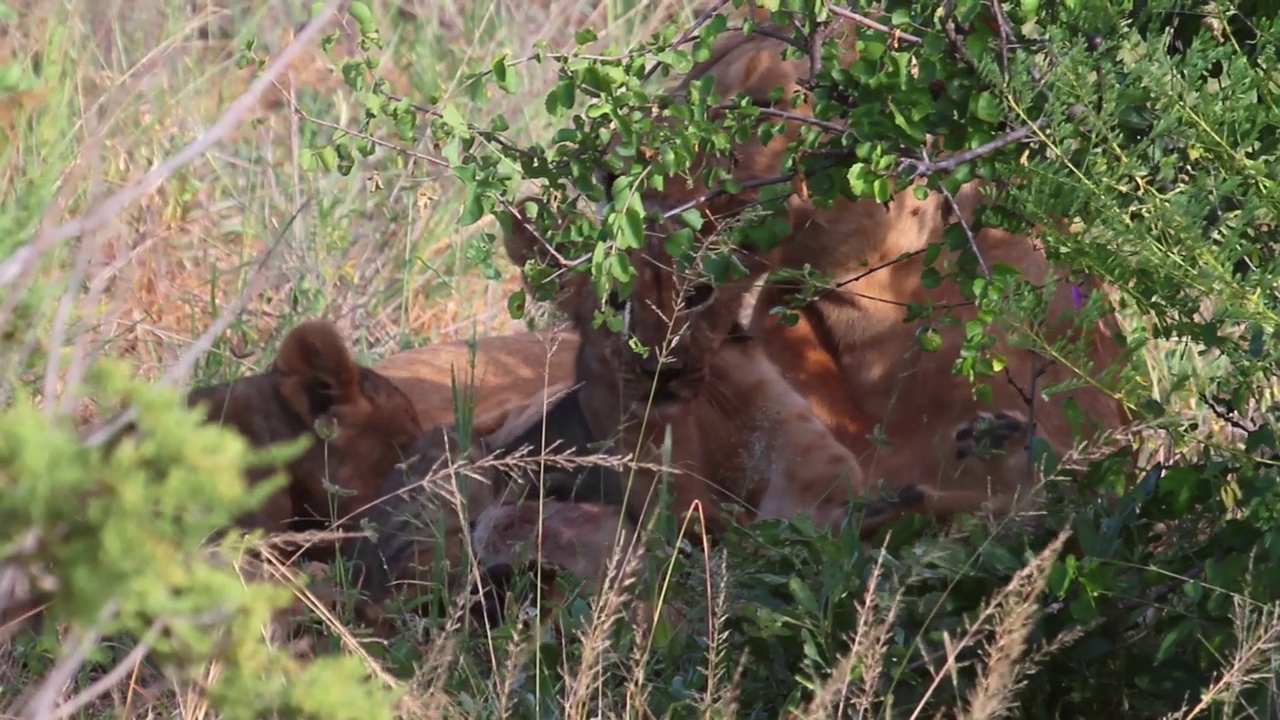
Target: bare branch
x,y
687,34
187,361
924,167
867,22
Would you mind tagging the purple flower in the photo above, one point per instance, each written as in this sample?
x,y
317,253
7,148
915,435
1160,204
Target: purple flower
x,y
1077,296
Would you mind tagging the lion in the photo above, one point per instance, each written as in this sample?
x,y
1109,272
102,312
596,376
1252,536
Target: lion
x,y
853,355
541,541
359,422
360,425
487,376
735,424
416,535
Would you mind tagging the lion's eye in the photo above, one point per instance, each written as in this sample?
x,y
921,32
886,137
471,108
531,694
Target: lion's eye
x,y
699,294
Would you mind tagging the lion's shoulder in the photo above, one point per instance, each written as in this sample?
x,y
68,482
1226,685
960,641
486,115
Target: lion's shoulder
x,y
497,373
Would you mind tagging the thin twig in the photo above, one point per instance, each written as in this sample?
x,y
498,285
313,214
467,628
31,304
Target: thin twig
x,y
17,264
429,159
684,37
1006,37
953,37
867,22
968,231
924,167
187,361
829,126
181,369
43,698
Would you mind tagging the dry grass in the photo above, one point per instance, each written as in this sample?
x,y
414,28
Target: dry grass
x,y
379,251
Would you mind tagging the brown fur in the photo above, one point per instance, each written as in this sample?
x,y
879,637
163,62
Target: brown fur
x,y
504,372
429,500
543,540
736,425
928,413
314,387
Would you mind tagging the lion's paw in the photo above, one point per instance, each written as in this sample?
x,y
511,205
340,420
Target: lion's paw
x,y
989,433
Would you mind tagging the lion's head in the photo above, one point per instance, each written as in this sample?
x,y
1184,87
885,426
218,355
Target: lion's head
x,y
672,307
360,424
667,325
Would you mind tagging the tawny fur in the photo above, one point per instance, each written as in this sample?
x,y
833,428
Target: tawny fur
x,y
315,389
504,372
857,335
313,385
735,424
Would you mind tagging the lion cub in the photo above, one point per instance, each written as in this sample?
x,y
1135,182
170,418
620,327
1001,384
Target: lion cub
x,y
738,431
854,356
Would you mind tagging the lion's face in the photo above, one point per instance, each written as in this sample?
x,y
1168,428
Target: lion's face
x,y
360,422
660,332
674,310
672,322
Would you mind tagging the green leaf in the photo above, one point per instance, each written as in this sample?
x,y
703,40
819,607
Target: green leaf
x,y
505,75
472,209
561,98
930,340
629,227
1257,344
516,304
363,17
328,156
882,189
692,219
802,596
860,179
987,107
930,277
1171,640
450,115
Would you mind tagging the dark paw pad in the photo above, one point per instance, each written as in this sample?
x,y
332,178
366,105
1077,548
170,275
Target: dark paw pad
x,y
987,433
910,496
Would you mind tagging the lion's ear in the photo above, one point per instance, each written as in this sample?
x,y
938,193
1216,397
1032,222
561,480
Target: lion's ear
x,y
319,373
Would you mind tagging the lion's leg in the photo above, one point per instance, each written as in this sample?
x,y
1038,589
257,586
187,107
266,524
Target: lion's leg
x,y
690,497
